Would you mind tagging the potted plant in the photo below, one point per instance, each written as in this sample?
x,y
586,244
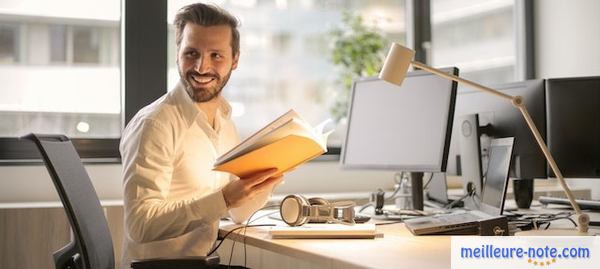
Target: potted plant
x,y
358,51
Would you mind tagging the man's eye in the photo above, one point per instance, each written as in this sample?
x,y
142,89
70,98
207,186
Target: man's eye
x,y
217,56
191,53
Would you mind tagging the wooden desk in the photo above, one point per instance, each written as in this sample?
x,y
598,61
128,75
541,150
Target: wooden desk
x,y
398,248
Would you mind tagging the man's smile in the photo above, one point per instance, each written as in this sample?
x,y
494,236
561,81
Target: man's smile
x,y
203,80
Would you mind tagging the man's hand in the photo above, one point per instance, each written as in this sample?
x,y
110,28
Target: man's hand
x,y
237,192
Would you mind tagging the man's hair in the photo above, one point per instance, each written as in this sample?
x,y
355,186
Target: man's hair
x,y
206,15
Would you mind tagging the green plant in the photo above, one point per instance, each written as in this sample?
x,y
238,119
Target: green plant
x,y
358,51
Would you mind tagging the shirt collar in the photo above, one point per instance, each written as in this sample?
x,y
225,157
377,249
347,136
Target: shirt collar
x,y
187,106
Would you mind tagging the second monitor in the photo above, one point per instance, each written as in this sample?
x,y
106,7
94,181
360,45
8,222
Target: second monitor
x,y
502,120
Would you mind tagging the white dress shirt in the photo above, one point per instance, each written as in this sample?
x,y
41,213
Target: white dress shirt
x,y
173,199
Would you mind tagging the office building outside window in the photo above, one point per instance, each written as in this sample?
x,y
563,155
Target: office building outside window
x,y
477,36
286,58
59,67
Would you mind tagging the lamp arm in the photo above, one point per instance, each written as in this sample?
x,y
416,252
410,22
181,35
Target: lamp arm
x,y
517,101
583,219
461,80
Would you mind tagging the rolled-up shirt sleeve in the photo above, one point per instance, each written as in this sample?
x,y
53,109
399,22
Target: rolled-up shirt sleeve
x,y
148,155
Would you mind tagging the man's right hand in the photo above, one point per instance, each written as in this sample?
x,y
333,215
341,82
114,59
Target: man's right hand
x,y
237,192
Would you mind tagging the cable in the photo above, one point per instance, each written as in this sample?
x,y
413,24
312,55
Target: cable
x,y
244,235
250,221
470,192
450,205
428,181
237,228
537,221
233,230
365,206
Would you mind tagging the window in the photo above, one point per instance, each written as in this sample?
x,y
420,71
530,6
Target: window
x,y
286,56
59,60
60,68
9,49
86,47
58,43
477,36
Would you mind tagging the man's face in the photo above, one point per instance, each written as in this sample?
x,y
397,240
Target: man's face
x,y
205,60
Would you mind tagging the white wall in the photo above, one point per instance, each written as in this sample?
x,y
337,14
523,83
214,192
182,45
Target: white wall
x,y
567,38
33,184
567,44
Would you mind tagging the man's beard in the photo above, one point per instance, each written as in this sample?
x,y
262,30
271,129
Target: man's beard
x,y
201,95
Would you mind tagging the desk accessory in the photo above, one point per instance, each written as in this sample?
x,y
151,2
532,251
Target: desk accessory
x,y
296,210
394,70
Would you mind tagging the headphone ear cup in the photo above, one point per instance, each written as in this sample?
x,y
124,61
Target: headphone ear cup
x,y
292,210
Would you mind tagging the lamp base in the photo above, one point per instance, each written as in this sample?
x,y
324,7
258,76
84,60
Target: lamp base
x,y
552,232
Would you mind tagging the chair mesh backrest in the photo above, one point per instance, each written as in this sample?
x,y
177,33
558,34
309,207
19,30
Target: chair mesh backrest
x,y
80,201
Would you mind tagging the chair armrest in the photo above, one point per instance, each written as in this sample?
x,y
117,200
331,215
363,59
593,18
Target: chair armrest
x,y
177,263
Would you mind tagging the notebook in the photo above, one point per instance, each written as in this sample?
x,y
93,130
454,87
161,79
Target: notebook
x,y
492,201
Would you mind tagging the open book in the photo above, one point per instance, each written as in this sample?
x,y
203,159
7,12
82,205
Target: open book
x,y
284,144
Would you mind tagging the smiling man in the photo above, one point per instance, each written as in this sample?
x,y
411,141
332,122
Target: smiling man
x,y
173,198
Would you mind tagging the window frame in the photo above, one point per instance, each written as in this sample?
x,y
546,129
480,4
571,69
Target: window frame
x,y
143,74
144,71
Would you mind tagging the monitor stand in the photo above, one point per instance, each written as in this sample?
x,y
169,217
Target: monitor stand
x,y
416,181
470,157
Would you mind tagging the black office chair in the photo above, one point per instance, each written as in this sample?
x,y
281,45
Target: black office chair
x,y
92,246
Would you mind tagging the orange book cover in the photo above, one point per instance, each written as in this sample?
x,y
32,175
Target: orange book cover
x,y
284,144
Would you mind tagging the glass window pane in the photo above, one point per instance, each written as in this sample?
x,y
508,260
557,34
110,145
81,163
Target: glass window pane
x,y
477,36
58,43
67,79
86,47
286,56
8,44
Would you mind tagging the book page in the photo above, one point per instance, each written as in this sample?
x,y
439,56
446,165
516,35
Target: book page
x,y
292,127
283,154
288,116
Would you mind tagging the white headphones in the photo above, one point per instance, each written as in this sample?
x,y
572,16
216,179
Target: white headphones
x,y
296,210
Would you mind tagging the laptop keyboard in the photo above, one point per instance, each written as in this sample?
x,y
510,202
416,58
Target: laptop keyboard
x,y
460,217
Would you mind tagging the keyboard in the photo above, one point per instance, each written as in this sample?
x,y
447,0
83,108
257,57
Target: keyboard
x,y
583,204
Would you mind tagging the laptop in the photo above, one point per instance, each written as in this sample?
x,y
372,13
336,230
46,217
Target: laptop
x,y
492,200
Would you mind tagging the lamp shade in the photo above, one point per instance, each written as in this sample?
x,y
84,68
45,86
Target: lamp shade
x,y
396,64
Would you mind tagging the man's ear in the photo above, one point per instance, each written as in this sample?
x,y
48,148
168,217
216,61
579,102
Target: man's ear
x,y
236,58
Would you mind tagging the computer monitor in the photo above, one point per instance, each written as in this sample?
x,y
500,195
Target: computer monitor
x,y
573,115
499,118
403,128
470,159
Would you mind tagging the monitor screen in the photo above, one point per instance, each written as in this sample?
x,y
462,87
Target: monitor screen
x,y
496,179
504,120
573,111
405,128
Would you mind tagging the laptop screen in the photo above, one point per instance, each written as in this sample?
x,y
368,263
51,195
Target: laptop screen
x,y
494,189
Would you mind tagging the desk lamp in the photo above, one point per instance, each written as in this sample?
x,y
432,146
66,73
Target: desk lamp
x,y
394,70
